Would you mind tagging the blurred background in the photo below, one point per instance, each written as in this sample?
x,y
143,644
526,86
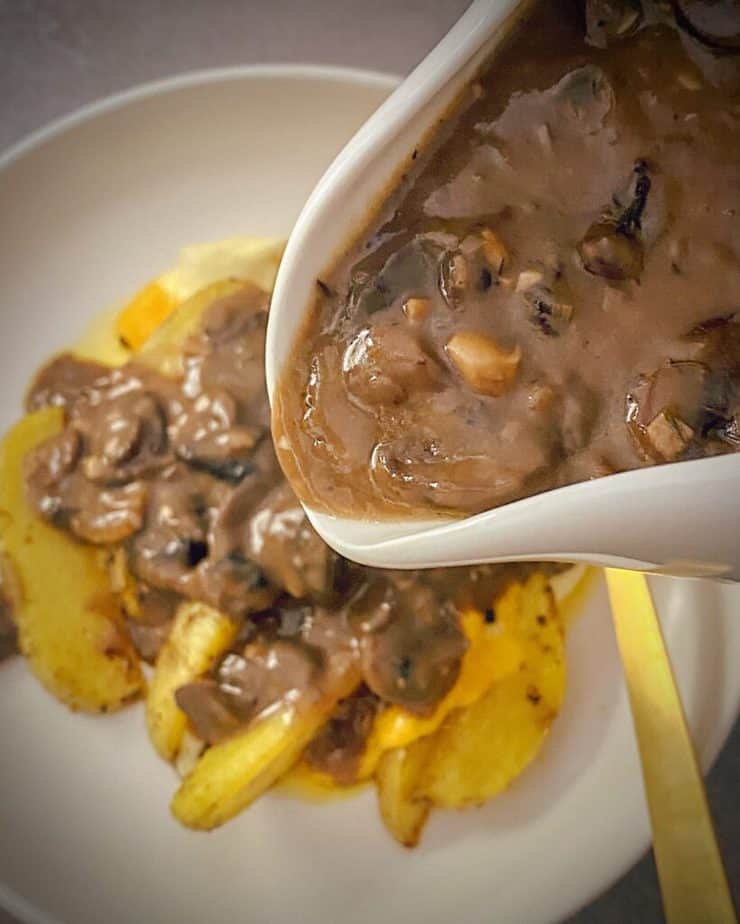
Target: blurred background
x,y
58,55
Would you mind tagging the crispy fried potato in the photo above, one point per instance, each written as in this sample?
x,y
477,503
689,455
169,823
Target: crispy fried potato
x,y
199,266
68,619
199,635
232,774
143,315
403,810
494,652
480,750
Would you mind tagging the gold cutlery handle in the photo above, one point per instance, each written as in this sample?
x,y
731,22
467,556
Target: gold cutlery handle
x,y
692,878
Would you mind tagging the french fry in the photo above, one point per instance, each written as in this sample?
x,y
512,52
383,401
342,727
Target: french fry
x,y
68,619
199,635
403,810
232,774
480,750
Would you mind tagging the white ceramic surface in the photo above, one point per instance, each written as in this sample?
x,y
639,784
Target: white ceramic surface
x,y
654,519
90,210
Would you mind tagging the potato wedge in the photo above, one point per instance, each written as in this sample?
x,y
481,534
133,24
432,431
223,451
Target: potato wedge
x,y
480,750
494,652
69,625
232,774
403,810
199,635
143,315
250,259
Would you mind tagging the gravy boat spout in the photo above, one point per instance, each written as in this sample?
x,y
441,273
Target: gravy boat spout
x,y
680,518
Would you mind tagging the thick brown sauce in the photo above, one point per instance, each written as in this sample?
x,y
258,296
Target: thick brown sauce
x,y
553,291
177,477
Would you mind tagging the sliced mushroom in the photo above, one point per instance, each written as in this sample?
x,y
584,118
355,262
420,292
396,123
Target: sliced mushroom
x,y
175,537
414,658
608,251
108,515
149,627
125,436
62,381
60,493
485,366
465,471
279,537
614,246
208,436
234,584
384,363
609,21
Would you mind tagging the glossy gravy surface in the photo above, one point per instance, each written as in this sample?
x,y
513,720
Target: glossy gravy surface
x,y
551,292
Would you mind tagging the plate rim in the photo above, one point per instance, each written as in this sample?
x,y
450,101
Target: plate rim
x,y
191,78
11,901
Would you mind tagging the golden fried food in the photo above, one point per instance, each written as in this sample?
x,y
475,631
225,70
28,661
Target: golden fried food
x,y
482,749
68,619
263,680
232,774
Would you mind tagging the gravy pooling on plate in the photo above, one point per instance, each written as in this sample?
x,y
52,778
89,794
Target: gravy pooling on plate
x,y
552,291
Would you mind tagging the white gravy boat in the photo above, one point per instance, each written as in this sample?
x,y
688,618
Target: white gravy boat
x,y
681,518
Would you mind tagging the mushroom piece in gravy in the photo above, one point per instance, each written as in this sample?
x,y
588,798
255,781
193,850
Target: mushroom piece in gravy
x,y
536,302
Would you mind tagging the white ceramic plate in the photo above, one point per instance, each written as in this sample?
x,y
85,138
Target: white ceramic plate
x,y
90,209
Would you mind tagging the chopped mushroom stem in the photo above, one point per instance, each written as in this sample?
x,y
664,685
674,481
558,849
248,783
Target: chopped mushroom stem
x,y
669,435
484,365
417,309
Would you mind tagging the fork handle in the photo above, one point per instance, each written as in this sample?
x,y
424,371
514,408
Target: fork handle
x,y
692,878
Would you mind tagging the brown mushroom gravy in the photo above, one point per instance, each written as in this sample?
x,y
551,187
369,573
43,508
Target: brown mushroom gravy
x,y
552,291
177,478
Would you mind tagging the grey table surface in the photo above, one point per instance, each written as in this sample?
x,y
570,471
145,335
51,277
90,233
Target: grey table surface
x,y
57,55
